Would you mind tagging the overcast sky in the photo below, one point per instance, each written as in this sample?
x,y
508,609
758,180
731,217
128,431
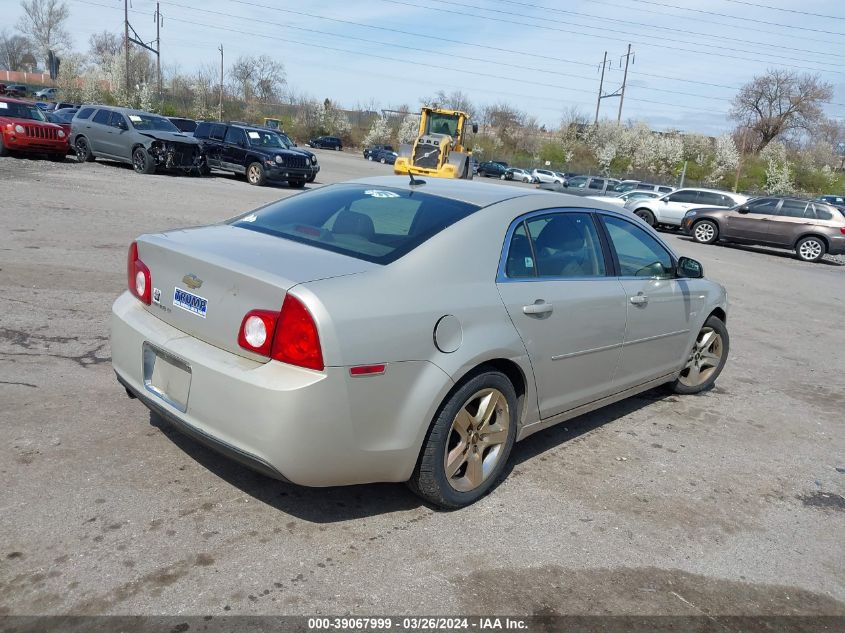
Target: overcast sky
x,y
543,57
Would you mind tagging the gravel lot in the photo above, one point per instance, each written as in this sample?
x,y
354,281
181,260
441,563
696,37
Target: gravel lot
x,y
724,503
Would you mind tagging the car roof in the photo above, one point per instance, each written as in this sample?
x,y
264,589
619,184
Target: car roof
x,y
13,100
123,110
474,192
722,191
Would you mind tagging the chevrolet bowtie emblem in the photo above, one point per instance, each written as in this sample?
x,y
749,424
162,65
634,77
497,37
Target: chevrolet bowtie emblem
x,y
192,281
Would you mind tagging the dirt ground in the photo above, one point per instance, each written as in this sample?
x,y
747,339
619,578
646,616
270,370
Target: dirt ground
x,y
730,502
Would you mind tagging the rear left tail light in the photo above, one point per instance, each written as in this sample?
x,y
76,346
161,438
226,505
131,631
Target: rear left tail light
x,y
138,275
289,336
842,230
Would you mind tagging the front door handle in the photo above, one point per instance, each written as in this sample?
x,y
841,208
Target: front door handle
x,y
639,300
538,308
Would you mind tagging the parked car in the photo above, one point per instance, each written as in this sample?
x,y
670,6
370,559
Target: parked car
x,y
144,140
632,185
582,186
516,173
622,198
257,152
492,169
669,209
326,142
47,93
369,151
186,126
16,90
810,228
24,128
384,156
342,336
546,175
838,201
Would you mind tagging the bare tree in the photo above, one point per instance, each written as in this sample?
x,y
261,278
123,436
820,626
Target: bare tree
x,y
455,100
43,22
780,103
260,78
15,52
103,46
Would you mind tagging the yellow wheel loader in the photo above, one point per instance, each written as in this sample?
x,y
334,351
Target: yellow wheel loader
x,y
439,149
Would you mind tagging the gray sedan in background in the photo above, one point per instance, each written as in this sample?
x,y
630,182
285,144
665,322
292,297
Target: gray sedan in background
x,y
381,330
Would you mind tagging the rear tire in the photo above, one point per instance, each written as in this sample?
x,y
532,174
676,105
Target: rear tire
x,y
705,232
475,446
83,150
810,249
646,216
255,174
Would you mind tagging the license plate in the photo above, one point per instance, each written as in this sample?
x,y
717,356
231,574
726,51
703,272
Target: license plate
x,y
166,376
190,302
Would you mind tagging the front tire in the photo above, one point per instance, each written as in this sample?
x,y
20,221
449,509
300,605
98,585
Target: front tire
x,y
255,174
707,358
810,249
383,161
705,232
469,442
296,184
142,162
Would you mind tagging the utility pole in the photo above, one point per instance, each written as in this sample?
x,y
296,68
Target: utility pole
x,y
601,84
158,48
624,82
220,113
126,41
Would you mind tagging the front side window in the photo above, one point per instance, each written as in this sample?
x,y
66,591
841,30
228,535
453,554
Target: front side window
x,y
558,246
116,119
639,254
763,206
597,183
578,181
376,224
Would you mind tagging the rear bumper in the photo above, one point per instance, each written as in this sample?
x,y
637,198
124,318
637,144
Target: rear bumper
x,y
307,427
836,245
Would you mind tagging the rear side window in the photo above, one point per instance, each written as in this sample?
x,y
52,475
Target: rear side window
x,y
84,113
375,224
793,208
823,212
218,132
565,245
202,130
102,116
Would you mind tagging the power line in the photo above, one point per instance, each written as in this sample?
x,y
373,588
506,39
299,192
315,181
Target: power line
x,y
737,17
669,28
767,6
510,21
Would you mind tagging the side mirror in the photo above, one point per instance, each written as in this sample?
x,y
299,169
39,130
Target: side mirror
x,y
122,125
690,268
743,210
294,145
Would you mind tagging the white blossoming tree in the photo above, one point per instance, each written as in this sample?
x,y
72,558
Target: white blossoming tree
x,y
380,132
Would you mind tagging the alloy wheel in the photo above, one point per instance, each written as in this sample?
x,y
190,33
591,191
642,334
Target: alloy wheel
x,y
704,231
810,250
253,175
476,439
704,359
138,161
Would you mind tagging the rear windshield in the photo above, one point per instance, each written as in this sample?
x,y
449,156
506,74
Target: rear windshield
x,y
376,224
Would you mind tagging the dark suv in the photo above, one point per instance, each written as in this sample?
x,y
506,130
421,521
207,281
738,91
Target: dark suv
x,y
492,168
257,152
369,153
326,142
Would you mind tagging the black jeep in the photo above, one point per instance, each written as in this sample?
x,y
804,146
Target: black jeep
x,y
258,152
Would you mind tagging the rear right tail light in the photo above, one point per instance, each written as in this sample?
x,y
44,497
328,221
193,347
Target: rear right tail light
x,y
289,336
138,275
842,230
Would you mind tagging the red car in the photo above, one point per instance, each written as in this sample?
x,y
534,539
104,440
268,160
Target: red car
x,y
24,128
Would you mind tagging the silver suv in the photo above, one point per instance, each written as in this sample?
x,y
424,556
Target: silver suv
x,y
144,140
671,208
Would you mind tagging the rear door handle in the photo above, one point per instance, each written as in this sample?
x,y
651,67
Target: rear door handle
x,y
639,300
539,307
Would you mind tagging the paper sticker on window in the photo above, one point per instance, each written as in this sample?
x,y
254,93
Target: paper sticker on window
x,y
4,105
380,193
529,263
254,135
134,118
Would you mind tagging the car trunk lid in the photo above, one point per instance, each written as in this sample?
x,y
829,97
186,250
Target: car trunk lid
x,y
206,279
